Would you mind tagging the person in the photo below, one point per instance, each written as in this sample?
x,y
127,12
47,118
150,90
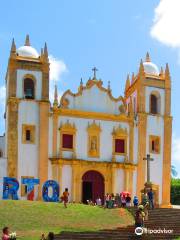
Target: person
x,y
5,235
117,200
65,197
98,201
151,198
107,200
50,236
123,200
139,216
135,201
128,200
144,198
30,196
111,201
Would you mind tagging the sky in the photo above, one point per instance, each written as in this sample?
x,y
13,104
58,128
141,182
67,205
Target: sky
x,y
112,35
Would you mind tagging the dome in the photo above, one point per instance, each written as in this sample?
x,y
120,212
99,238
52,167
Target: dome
x,y
27,51
151,68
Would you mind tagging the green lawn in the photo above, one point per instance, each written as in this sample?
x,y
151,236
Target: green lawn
x,y
31,219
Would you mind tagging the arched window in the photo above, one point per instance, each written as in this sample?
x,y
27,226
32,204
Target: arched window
x,y
29,89
155,103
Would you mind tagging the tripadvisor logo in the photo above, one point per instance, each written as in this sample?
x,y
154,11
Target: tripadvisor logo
x,y
139,231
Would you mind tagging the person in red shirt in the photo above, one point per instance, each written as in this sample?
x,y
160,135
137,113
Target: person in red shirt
x,y
5,235
65,197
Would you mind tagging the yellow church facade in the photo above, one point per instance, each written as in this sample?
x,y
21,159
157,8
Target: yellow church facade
x,y
89,141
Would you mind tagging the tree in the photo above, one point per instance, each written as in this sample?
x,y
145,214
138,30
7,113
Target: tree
x,y
175,191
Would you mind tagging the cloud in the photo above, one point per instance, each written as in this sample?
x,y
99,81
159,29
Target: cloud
x,y
57,69
165,26
176,153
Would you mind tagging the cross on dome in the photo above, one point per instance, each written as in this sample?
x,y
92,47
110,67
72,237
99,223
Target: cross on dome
x,y
94,71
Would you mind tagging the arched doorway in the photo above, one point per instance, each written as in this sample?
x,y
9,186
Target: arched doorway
x,y
92,186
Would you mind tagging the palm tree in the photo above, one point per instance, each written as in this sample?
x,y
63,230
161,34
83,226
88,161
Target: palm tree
x,y
174,172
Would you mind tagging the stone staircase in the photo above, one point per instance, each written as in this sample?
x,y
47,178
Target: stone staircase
x,y
159,218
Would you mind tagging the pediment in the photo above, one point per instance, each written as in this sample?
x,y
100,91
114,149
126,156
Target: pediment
x,y
93,97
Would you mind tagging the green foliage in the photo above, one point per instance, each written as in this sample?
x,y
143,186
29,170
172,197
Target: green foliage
x,y
31,219
175,191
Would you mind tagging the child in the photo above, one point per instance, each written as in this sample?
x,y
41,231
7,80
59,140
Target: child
x,y
5,235
135,201
65,197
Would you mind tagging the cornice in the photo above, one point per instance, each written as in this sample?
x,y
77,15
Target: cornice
x,y
93,115
60,161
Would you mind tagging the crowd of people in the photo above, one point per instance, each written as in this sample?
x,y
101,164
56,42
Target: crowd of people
x,y
119,200
115,200
124,200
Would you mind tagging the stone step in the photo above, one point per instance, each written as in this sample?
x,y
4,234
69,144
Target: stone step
x,y
113,235
168,215
126,237
107,234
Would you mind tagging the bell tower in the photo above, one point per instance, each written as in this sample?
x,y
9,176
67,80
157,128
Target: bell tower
x,y
150,91
27,109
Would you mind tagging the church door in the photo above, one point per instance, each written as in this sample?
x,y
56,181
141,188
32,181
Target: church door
x,y
92,186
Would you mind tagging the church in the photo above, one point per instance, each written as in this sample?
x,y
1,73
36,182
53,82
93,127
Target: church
x,y
88,141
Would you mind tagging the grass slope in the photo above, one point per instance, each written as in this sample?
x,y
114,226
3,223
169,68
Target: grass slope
x,y
31,219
